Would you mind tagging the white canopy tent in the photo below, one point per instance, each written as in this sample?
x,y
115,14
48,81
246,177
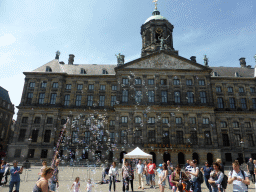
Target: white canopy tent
x,y
137,153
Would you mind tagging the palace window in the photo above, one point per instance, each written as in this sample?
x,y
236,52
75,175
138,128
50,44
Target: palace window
x,y
241,90
104,71
166,139
243,103
235,124
225,139
44,153
138,96
177,97
237,139
67,99
125,81
138,81
223,124
201,82
165,120
151,136
138,137
87,137
137,119
220,103
113,100
102,87
179,137
55,85
31,153
178,120
53,98
102,101
192,120
254,103
193,137
78,100
17,153
34,135
91,87
151,96
49,120
164,96
89,100
247,125
112,123
188,82
114,87
252,89
176,82
82,71
203,96
207,138
150,81
230,89
48,69
163,82
125,96
74,136
205,121
79,87
43,84
29,98
218,89
24,120
32,84
37,120
250,140
47,136
123,137
22,135
41,98
68,86
112,137
151,120
232,103
190,96
124,119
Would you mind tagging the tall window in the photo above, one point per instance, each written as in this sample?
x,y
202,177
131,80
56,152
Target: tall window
x,y
123,136
252,89
201,82
114,87
43,84
29,98
22,135
113,100
220,103
243,103
138,81
218,89
17,153
89,100
41,98
53,98
137,119
24,120
125,81
87,137
151,120
164,96
192,120
247,125
102,87
151,136
190,96
241,90
74,136
177,97
179,137
138,137
232,103
47,136
112,123
237,139
150,81
66,101
165,120
250,140
225,139
49,120
79,87
235,124
91,87
125,96
112,137
166,139
37,120
31,153
55,85
176,82
32,84
138,96
203,96
254,103
78,100
102,101
124,119
68,86
205,121
34,135
223,124
230,89
207,138
178,120
44,153
189,82
163,82
151,96
193,137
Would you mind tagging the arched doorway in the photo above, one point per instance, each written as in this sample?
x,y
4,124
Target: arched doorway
x,y
210,158
122,156
181,158
154,156
166,157
195,156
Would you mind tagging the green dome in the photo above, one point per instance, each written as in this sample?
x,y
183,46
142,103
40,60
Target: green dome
x,y
155,17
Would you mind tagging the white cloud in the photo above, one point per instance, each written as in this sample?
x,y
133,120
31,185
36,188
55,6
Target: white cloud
x,y
7,39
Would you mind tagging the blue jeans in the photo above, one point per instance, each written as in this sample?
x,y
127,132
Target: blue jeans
x,y
216,190
147,179
207,184
112,179
196,186
17,185
168,179
52,186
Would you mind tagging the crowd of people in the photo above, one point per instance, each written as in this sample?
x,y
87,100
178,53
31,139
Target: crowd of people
x,y
176,179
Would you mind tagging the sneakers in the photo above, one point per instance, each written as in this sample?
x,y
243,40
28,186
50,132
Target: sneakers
x,y
151,187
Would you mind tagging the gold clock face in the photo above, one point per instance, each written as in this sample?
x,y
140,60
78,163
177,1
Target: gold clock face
x,y
159,30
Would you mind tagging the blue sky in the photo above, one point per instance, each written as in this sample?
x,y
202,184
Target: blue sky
x,y
94,31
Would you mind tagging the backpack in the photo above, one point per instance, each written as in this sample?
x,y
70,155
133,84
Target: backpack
x,y
224,182
200,177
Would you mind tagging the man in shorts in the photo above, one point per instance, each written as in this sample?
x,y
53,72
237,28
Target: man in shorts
x,y
151,173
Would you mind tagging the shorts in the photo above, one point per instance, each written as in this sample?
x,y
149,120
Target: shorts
x,y
151,177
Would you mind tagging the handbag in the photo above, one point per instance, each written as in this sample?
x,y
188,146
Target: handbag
x,y
3,180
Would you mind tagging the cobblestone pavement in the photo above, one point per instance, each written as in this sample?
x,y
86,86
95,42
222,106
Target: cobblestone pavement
x,y
68,174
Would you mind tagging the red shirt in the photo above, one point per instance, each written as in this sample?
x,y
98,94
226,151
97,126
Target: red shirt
x,y
151,167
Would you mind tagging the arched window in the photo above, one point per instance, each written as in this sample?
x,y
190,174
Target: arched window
x,y
48,69
83,71
137,119
104,71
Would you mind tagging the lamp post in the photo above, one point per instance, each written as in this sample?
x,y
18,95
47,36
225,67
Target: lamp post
x,y
242,145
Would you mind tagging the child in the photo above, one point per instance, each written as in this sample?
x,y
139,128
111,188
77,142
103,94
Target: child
x,y
76,185
89,186
213,177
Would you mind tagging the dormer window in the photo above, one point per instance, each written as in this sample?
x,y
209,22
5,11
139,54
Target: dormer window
x,y
83,71
48,69
104,71
236,74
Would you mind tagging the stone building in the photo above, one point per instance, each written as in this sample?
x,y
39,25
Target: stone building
x,y
6,114
170,106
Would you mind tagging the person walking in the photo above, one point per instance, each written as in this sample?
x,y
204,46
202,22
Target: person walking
x,y
151,173
207,169
193,174
131,177
76,185
250,169
163,175
218,177
146,172
42,183
126,171
140,172
238,178
112,176
170,170
15,176
54,181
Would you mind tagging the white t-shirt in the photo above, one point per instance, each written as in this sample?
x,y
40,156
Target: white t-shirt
x,y
76,186
89,187
238,185
140,168
193,170
112,171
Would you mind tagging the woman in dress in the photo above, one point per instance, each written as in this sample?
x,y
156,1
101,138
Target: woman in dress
x,y
163,176
42,183
218,177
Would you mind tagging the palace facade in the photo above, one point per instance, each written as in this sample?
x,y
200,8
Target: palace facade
x,y
169,106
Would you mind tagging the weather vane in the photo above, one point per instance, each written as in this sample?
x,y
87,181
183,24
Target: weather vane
x,y
155,1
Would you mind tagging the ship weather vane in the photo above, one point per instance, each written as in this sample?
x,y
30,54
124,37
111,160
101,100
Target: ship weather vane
x,y
155,1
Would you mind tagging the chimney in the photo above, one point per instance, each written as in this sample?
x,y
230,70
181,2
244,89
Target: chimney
x,y
193,58
242,62
71,59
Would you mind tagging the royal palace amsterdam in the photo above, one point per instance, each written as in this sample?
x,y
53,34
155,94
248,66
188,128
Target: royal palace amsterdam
x,y
170,106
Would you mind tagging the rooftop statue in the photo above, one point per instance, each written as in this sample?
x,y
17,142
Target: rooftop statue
x,y
162,42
